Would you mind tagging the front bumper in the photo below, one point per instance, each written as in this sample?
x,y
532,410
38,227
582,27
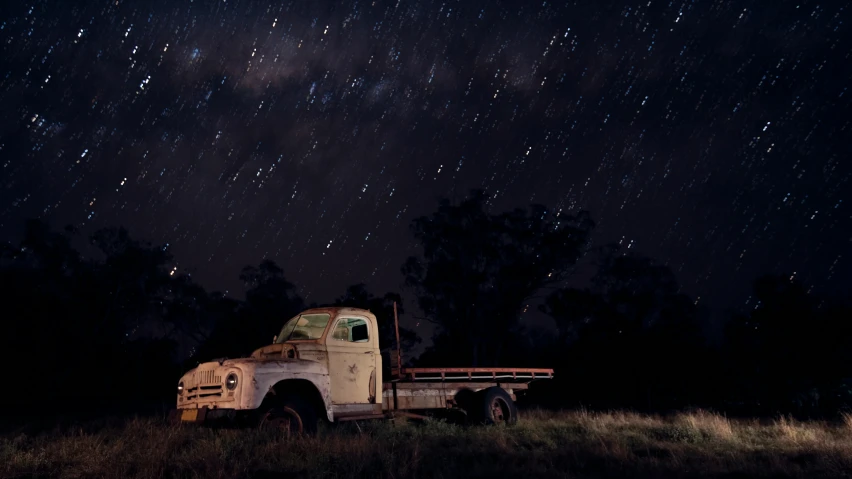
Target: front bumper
x,y
201,415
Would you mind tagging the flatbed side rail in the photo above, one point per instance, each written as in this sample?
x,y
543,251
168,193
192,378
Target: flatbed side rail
x,y
467,374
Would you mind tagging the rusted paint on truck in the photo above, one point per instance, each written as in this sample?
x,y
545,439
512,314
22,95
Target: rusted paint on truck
x,y
334,353
205,385
402,396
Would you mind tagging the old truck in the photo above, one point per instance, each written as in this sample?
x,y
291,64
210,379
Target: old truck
x,y
325,365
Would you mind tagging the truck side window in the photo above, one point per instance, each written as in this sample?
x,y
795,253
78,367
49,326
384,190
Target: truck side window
x,y
353,330
359,333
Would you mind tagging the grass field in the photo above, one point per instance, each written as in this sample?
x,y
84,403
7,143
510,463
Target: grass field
x,y
568,444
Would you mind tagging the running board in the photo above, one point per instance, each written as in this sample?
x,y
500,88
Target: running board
x,y
360,418
411,415
387,415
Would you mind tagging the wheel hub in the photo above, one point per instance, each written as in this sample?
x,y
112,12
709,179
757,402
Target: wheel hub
x,y
498,410
285,420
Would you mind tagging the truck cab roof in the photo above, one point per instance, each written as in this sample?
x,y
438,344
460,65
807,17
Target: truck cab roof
x,y
338,310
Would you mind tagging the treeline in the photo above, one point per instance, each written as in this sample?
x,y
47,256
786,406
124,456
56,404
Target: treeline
x,y
630,338
115,330
113,333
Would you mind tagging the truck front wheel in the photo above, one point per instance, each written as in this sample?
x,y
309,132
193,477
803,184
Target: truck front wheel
x,y
290,415
497,406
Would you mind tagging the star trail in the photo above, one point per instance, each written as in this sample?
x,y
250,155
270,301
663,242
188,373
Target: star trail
x,y
712,136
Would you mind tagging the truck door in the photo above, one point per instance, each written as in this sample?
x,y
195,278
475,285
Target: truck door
x,y
352,358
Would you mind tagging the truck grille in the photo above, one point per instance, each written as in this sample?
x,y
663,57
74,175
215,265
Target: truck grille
x,y
207,385
208,377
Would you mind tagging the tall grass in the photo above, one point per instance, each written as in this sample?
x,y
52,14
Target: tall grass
x,y
544,444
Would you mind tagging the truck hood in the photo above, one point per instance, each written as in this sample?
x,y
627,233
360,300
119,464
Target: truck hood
x,y
277,351
252,368
306,358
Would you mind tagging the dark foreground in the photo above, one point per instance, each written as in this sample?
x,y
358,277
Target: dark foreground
x,y
571,444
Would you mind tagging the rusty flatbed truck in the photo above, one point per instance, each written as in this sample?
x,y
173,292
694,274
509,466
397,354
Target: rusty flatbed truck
x,y
326,364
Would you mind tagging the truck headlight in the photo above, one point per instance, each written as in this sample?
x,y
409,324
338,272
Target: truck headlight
x,y
231,381
180,388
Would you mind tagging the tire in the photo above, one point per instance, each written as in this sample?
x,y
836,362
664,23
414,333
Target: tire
x,y
291,415
496,407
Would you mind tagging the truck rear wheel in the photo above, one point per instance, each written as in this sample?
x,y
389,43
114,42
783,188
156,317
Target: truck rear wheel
x,y
497,407
290,415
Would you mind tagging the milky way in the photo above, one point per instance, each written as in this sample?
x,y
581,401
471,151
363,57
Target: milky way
x,y
712,136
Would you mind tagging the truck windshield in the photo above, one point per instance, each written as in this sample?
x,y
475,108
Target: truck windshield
x,y
304,326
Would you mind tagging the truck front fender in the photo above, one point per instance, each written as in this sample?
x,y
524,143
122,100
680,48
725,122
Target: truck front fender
x,y
268,379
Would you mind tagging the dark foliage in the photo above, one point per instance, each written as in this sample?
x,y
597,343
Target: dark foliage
x,y
73,328
793,351
116,331
631,339
478,270
270,301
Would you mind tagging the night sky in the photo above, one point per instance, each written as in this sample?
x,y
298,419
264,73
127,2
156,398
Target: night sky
x,y
712,136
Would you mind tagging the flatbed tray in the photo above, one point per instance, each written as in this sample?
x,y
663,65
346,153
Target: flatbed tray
x,y
474,374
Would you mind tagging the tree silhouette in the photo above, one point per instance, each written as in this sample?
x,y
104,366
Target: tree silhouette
x,y
479,269
631,338
115,331
225,337
270,301
64,312
135,278
792,351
